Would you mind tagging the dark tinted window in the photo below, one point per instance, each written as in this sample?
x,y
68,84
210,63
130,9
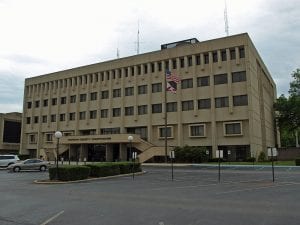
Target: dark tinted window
x,y
220,79
12,132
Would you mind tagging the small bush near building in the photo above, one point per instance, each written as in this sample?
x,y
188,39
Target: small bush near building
x,y
216,160
191,154
126,167
250,159
262,157
297,162
137,167
70,173
104,169
111,169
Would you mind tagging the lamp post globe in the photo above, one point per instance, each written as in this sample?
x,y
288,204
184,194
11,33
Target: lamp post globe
x,y
58,134
130,138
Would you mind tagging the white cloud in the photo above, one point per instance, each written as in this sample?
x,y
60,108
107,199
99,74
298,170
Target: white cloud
x,y
39,37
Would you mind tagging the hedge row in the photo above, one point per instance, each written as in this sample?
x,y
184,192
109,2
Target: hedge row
x,y
111,169
69,173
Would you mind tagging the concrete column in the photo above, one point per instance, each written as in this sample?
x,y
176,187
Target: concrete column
x,y
83,152
123,152
80,153
109,153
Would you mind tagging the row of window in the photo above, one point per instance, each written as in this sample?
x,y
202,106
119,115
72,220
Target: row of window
x,y
239,100
199,130
142,89
195,130
144,69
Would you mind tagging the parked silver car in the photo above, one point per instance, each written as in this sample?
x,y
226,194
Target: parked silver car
x,y
29,164
6,160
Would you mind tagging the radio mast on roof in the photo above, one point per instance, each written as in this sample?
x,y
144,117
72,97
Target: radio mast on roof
x,y
138,39
226,20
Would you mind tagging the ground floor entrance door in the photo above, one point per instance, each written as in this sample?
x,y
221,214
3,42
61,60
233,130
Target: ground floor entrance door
x,y
96,153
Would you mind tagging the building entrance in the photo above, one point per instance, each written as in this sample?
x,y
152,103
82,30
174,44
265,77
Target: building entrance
x,y
96,153
116,152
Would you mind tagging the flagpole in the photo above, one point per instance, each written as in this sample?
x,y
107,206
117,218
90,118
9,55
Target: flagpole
x,y
166,120
171,81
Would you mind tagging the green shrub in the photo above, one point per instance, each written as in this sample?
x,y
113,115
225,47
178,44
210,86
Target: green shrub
x,y
191,154
104,169
137,167
216,160
70,173
125,167
262,157
250,159
297,161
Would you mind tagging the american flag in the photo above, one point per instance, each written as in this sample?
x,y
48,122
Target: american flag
x,y
172,77
171,88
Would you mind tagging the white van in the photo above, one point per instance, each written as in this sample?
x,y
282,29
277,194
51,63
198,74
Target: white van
x,y
6,160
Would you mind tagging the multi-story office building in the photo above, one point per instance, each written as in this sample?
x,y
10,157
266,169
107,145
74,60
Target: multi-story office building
x,y
10,132
224,101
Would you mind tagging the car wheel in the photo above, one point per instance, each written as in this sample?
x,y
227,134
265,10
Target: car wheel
x,y
43,168
16,169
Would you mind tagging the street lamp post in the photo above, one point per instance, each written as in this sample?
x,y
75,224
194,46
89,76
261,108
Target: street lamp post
x,y
57,135
130,138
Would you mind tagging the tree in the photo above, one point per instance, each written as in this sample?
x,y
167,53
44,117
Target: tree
x,y
288,108
295,85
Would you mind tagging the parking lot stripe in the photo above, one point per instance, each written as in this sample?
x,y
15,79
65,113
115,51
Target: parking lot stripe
x,y
52,218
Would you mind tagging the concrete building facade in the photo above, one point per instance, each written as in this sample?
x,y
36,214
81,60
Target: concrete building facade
x,y
224,101
10,132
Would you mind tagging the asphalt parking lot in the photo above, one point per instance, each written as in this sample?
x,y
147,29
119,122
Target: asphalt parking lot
x,y
243,196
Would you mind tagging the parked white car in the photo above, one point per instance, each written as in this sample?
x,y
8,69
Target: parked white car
x,y
6,160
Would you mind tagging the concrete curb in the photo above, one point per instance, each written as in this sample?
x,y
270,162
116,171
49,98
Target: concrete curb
x,y
167,164
203,165
87,180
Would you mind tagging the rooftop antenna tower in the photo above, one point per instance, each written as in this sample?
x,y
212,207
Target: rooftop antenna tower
x,y
138,39
118,53
226,20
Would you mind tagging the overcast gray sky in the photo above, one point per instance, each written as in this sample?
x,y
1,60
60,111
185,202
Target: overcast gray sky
x,y
43,36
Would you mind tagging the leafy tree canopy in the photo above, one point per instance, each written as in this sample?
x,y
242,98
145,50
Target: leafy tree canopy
x,y
288,108
295,84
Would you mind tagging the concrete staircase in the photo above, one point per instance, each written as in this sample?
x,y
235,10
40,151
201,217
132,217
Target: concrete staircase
x,y
147,149
61,150
151,152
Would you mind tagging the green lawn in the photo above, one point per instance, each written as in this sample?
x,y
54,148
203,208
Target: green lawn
x,y
276,163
